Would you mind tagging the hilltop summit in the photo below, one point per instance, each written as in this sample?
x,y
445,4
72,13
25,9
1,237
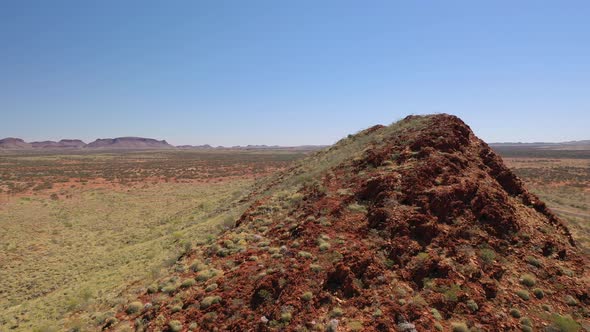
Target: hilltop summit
x,y
416,226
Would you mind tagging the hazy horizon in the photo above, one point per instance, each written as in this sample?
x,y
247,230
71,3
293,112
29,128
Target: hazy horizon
x,y
262,144
306,73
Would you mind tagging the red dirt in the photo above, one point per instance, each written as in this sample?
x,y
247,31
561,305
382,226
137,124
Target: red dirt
x,y
407,225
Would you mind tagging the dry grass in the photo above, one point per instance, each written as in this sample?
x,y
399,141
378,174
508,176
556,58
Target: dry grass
x,y
68,262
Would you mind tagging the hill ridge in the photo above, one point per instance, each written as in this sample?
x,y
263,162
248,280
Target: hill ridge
x,y
413,226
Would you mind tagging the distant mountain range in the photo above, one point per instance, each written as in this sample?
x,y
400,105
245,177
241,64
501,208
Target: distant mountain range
x,y
131,143
570,145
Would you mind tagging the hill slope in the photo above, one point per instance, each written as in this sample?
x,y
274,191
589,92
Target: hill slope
x,y
415,226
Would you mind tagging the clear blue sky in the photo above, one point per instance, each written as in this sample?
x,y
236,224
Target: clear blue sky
x,y
291,72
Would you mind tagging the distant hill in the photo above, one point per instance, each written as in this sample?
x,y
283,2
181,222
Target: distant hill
x,y
254,147
130,143
63,144
136,143
119,143
11,143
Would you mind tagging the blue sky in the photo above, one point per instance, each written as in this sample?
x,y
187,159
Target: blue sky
x,y
291,72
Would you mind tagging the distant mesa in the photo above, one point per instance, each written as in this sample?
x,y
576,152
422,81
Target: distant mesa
x,y
195,147
120,143
11,143
134,143
130,143
63,144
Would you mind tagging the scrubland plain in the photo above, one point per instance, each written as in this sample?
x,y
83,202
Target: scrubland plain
x,y
562,181
81,231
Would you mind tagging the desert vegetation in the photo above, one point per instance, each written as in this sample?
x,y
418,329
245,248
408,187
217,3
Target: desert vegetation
x,y
81,233
562,180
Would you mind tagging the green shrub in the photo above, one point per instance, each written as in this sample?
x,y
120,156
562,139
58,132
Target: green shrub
x,y
315,268
538,292
523,294
472,305
526,321
305,254
264,294
436,314
355,325
525,328
134,307
377,313
565,323
169,288
569,300
528,280
452,293
459,327
209,301
515,313
533,261
286,317
487,255
152,289
198,266
211,287
567,272
307,296
175,326
324,246
187,283
205,275
355,207
336,312
176,308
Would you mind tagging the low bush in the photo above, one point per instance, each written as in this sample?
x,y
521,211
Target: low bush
x,y
523,294
305,254
565,323
515,313
528,280
533,261
134,307
538,293
487,255
187,283
355,325
286,317
209,301
175,326
307,296
570,300
336,312
472,305
459,327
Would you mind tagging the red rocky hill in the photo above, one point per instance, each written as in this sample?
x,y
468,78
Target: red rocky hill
x,y
417,226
